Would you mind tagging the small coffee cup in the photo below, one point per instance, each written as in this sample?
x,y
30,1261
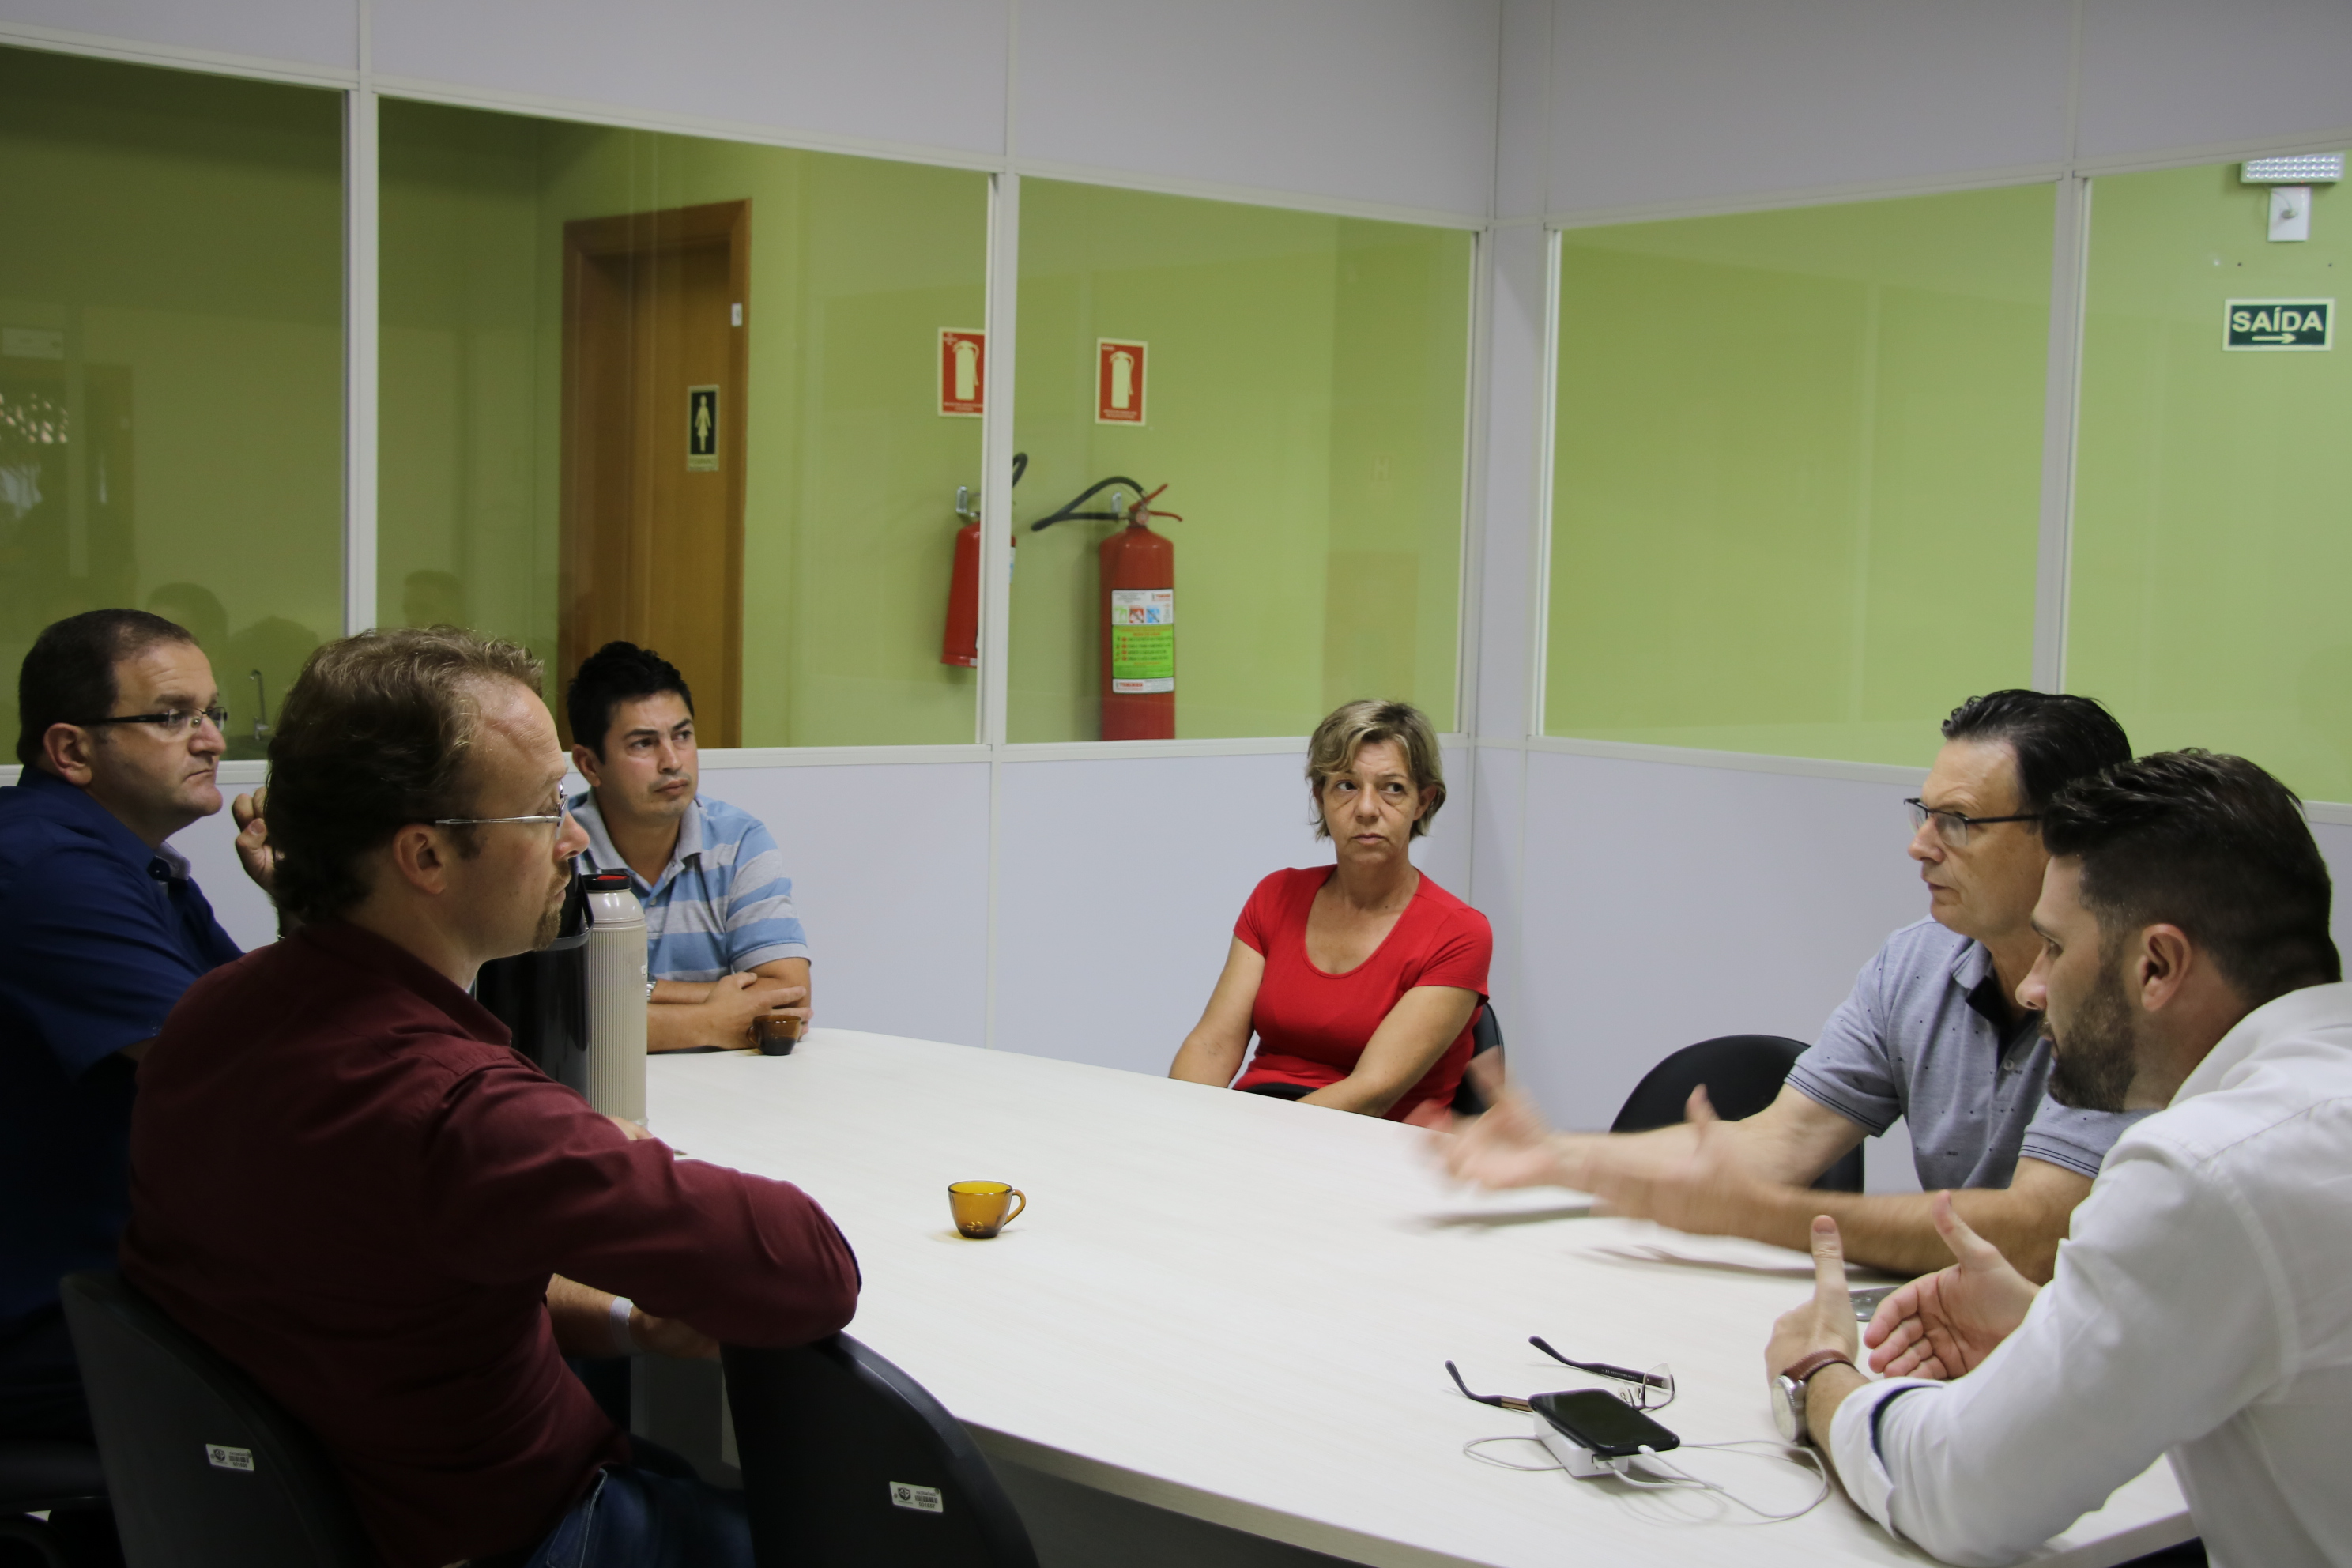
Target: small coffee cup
x,y
778,1032
980,1207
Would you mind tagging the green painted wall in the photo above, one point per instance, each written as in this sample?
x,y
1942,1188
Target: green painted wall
x,y
2213,550
1797,473
1305,405
183,234
851,475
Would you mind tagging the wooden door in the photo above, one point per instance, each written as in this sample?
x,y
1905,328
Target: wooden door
x,y
654,307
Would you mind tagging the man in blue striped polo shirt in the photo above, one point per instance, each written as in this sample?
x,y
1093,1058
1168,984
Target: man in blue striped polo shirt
x,y
724,945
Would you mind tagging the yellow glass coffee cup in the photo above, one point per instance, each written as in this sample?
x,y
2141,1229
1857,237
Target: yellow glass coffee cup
x,y
980,1207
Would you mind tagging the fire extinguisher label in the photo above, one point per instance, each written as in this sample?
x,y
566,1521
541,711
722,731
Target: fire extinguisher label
x,y
1142,640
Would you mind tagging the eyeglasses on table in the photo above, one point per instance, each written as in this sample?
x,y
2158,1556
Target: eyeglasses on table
x,y
1651,1390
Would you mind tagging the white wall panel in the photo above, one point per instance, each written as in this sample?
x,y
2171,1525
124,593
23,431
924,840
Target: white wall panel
x,y
889,868
1498,877
2160,74
303,32
1674,101
926,72
2335,843
1667,904
1390,101
1119,883
1503,599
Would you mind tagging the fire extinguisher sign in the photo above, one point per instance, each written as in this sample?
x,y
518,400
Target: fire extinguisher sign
x,y
1142,640
963,371
1119,382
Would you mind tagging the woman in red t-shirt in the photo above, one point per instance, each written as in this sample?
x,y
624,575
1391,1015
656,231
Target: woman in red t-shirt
x,y
1361,979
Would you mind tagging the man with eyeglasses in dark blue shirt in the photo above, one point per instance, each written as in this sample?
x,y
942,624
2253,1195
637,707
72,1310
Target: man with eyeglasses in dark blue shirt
x,y
101,929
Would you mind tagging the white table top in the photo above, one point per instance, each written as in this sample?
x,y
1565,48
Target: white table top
x,y
1240,1308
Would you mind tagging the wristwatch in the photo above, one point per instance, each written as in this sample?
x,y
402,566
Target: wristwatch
x,y
1788,1393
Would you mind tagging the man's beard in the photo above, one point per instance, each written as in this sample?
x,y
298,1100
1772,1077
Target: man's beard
x,y
550,920
2092,1068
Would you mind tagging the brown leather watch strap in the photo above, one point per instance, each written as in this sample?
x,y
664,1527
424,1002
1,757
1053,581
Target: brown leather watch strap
x,y
1806,1366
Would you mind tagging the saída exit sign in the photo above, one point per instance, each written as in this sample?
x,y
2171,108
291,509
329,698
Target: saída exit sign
x,y
2278,324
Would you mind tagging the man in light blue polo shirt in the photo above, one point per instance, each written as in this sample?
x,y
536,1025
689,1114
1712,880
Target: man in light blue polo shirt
x,y
725,947
1933,1034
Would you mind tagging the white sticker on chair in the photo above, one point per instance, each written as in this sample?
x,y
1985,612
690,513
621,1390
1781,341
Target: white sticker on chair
x,y
922,1500
223,1457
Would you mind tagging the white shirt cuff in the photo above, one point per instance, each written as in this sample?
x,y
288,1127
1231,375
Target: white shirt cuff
x,y
1854,1447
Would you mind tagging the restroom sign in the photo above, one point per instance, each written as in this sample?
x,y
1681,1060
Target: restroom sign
x,y
2278,324
1119,382
963,371
702,429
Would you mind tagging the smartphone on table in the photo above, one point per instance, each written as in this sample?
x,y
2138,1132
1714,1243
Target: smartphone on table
x,y
1602,1424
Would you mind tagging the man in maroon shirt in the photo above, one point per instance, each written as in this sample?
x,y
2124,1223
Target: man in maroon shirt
x,y
344,1179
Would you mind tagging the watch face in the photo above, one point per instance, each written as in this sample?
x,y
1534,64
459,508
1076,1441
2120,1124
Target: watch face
x,y
1789,1409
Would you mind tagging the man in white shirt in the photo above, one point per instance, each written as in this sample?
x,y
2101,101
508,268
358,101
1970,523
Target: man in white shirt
x,y
2202,1308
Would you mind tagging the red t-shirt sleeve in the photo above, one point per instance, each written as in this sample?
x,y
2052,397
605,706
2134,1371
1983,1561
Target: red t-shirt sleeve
x,y
1262,916
1464,948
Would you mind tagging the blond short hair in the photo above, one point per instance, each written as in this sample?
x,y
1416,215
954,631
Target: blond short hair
x,y
1352,726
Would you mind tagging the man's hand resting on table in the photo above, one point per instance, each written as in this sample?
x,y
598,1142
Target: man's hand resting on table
x,y
724,1014
1945,1325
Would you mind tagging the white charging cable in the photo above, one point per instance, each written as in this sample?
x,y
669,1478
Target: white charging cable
x,y
1681,1480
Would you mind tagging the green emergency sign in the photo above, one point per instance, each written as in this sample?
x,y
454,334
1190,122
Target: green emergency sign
x,y
2278,324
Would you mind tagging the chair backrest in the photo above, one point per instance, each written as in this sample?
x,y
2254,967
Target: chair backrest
x,y
1485,1035
1742,1075
204,1467
847,1460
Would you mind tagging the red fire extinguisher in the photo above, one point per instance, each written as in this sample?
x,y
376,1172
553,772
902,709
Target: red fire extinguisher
x,y
1137,596
960,643
1138,628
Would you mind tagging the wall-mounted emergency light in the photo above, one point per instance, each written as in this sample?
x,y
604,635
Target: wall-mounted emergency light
x,y
2302,169
2291,179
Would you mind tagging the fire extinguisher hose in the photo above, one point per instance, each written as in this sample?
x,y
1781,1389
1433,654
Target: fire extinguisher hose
x,y
1070,513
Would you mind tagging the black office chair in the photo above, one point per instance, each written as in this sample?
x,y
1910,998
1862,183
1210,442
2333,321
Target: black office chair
x,y
1485,1035
204,1467
55,1475
1743,1074
847,1460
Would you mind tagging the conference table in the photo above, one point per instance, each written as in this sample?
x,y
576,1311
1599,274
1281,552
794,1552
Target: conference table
x,y
1239,1308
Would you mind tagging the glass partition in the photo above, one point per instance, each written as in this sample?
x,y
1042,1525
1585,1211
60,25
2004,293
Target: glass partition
x,y
1296,381
2212,534
1797,471
171,365
685,392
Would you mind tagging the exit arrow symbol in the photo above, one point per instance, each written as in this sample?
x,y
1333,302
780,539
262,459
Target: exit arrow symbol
x,y
2272,338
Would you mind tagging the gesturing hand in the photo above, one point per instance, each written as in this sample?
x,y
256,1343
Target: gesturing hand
x,y
1700,1187
1826,1321
1510,1146
1945,1325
